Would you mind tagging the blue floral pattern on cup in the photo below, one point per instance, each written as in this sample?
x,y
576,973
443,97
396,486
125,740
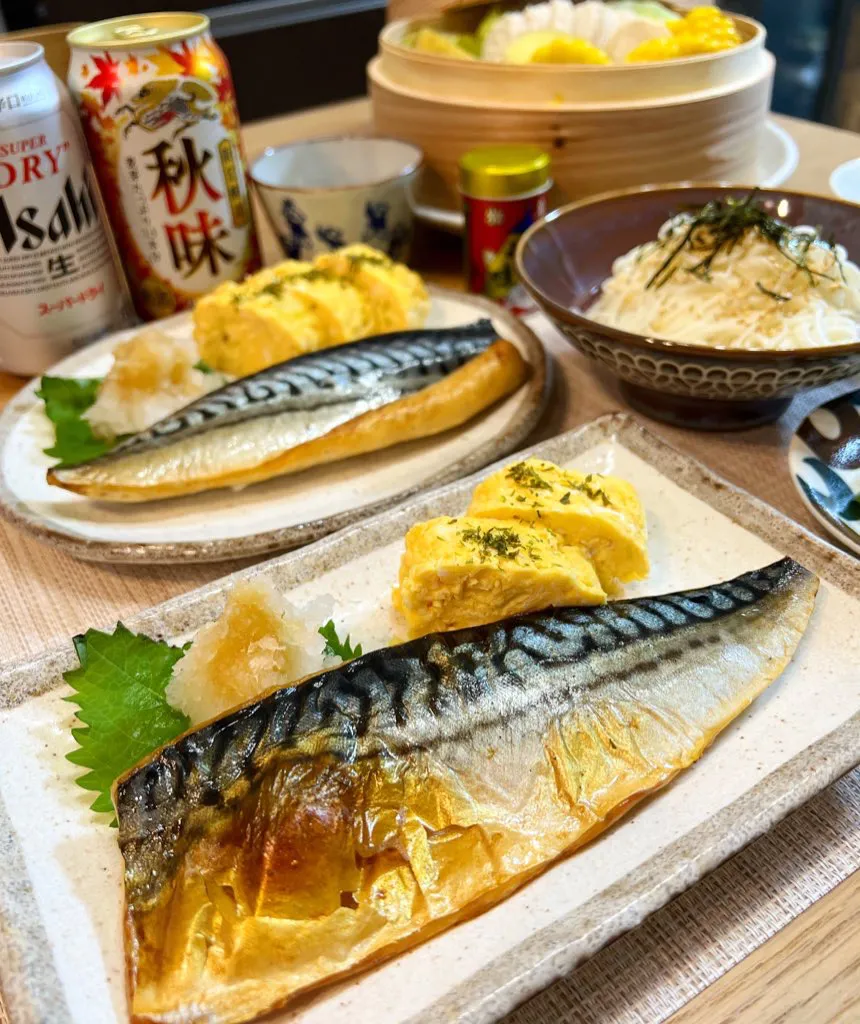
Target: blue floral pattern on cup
x,y
331,237
295,240
382,230
391,237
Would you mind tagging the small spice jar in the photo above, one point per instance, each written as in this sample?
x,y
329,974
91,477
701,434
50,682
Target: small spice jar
x,y
504,190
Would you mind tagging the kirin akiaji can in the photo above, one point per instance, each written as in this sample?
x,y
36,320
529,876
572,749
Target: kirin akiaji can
x,y
159,113
504,190
60,285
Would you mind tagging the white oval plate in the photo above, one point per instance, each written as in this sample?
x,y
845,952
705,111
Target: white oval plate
x,y
777,161
824,463
272,516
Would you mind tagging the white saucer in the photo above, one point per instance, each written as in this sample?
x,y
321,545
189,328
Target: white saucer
x,y
777,161
845,181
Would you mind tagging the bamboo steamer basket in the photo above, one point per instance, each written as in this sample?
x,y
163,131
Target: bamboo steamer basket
x,y
480,81
707,134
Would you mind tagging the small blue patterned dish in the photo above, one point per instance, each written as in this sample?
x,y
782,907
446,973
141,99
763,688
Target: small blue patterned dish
x,y
321,194
824,462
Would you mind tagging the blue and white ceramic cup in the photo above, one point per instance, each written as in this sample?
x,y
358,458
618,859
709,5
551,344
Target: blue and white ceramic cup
x,y
321,194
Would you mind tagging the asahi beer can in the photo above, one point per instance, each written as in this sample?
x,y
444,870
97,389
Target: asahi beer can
x,y
159,113
60,286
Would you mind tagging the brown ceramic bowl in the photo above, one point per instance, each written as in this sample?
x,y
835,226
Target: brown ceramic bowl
x,y
564,258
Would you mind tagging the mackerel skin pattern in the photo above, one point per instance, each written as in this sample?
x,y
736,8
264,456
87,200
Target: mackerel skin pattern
x,y
334,823
441,688
401,363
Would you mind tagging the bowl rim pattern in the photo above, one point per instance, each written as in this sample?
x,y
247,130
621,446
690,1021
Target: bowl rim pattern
x,y
578,320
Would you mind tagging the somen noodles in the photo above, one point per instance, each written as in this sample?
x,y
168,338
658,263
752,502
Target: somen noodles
x,y
733,277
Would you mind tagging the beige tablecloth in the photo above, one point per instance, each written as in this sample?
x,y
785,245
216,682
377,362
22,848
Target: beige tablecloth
x,y
45,597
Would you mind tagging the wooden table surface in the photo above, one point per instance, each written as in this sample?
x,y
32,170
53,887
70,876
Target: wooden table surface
x,y
809,973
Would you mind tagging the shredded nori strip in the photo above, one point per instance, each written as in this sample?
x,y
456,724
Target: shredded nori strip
x,y
718,227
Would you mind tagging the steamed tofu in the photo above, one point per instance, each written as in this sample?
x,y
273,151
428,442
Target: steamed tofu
x,y
395,295
467,571
600,515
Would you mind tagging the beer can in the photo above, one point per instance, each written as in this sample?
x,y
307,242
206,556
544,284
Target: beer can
x,y
504,191
156,99
60,284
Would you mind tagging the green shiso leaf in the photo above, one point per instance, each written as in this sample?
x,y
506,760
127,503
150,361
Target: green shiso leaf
x,y
334,646
121,705
66,400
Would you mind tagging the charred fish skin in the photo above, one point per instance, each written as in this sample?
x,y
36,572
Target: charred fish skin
x,y
375,804
403,362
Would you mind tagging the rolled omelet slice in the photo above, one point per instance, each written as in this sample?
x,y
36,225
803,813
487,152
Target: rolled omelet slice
x,y
339,306
209,317
211,313
243,328
601,515
260,333
468,572
395,295
269,277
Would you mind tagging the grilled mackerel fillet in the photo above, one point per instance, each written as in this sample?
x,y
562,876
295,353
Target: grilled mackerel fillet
x,y
311,410
325,827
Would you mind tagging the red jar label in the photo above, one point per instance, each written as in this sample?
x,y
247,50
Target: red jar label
x,y
493,228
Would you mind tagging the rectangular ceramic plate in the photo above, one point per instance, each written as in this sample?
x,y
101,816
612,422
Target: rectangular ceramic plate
x,y
61,957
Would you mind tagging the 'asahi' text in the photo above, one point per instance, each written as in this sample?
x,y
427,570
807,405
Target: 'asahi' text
x,y
74,211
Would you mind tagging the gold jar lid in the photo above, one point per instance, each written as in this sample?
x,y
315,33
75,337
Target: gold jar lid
x,y
137,31
503,172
